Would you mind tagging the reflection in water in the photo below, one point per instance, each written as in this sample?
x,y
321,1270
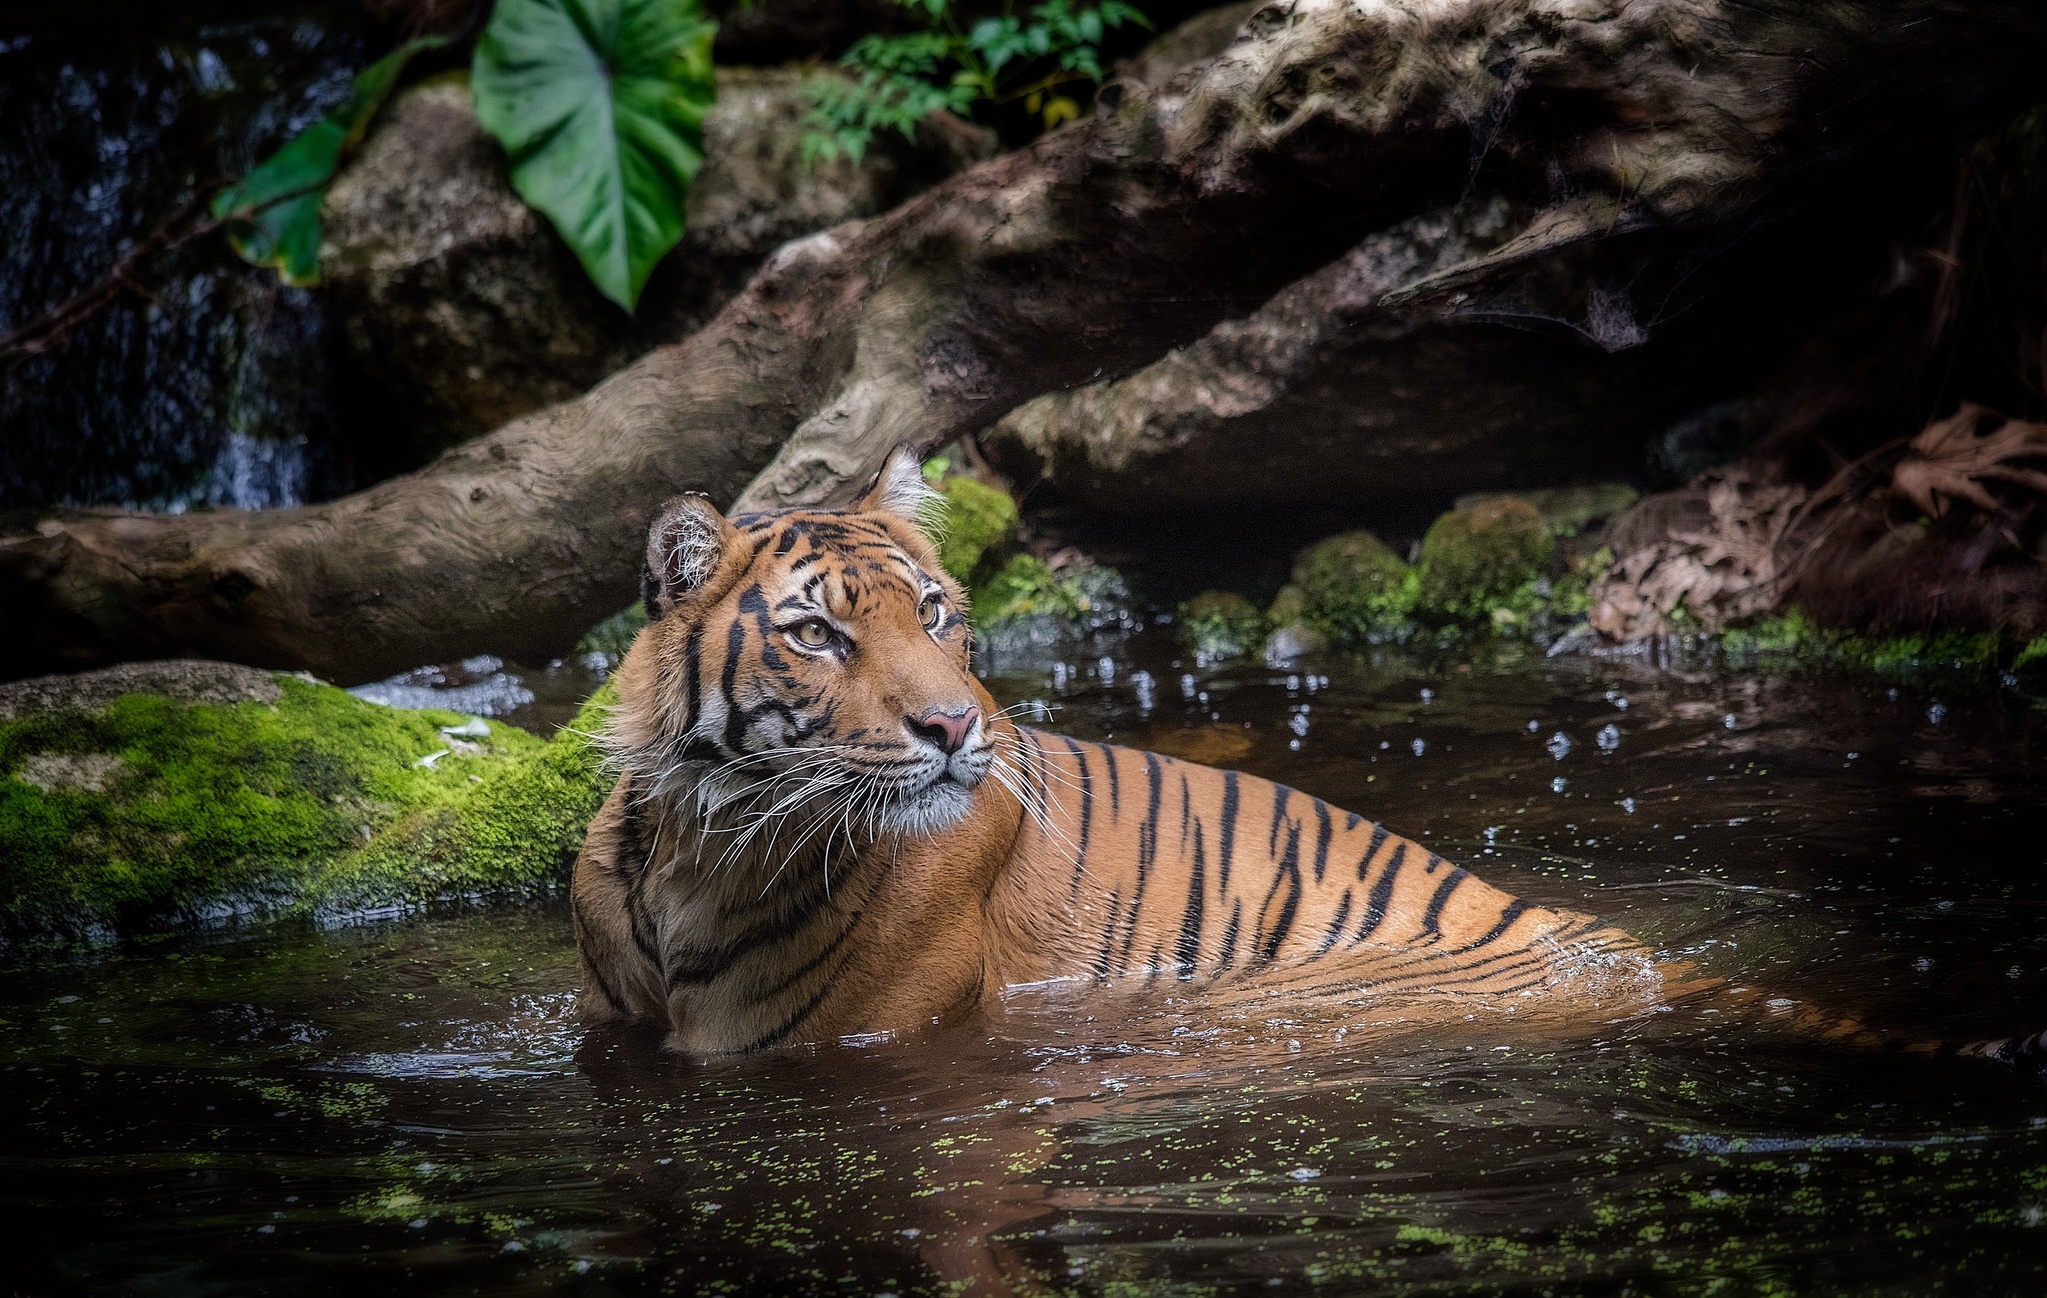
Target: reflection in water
x,y
414,1107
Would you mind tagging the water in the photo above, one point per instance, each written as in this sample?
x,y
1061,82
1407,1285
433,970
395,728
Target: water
x,y
414,1108
212,386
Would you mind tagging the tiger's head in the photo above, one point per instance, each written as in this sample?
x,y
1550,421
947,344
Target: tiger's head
x,y
807,662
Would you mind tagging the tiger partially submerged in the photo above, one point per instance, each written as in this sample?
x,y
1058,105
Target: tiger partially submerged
x,y
825,826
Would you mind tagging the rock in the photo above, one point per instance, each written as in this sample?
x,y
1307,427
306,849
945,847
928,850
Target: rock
x,y
461,309
181,680
1034,610
167,794
1351,587
1219,624
1474,560
1292,642
1567,510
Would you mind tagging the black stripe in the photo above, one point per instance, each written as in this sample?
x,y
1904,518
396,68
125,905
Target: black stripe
x,y
1115,785
1431,922
1514,910
1377,842
1323,831
1108,936
1280,793
1382,894
1189,949
1229,831
1230,935
1147,852
1087,813
584,941
1335,926
1288,873
692,673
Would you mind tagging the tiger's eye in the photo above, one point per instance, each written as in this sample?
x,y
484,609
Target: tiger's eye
x,y
814,634
931,610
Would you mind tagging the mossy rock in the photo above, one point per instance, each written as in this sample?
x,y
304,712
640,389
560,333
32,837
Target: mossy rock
x,y
143,810
1567,510
1483,558
1218,624
980,522
1351,586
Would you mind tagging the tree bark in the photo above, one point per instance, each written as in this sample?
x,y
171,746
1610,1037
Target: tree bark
x,y
1085,255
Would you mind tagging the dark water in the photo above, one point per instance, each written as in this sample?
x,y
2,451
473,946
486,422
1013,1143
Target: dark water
x,y
413,1108
211,385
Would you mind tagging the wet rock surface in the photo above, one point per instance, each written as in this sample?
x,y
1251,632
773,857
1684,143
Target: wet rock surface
x,y
461,309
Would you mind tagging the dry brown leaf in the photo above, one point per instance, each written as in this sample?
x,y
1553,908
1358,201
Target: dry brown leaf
x,y
1954,457
1720,573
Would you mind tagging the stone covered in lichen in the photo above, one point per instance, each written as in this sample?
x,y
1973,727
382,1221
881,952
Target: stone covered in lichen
x,y
146,809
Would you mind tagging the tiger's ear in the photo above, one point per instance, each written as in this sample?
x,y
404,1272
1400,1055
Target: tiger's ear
x,y
900,489
684,548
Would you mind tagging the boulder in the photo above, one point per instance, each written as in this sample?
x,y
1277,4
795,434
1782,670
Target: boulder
x,y
160,795
459,307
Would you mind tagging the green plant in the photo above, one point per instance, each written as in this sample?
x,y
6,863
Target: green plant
x,y
273,213
600,105
897,81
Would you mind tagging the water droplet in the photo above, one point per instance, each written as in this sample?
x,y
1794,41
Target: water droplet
x,y
1937,713
1557,785
1187,686
1728,721
1533,725
1559,744
1293,684
1105,667
1608,738
1419,747
1428,696
1628,805
1147,690
1303,1173
1923,963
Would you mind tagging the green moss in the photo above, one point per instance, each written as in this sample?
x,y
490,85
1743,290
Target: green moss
x,y
1792,638
1023,586
980,522
1352,588
1482,558
151,812
615,634
1217,624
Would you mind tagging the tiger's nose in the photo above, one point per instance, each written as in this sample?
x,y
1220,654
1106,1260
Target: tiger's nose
x,y
949,730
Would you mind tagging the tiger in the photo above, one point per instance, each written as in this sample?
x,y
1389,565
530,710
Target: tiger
x,y
824,827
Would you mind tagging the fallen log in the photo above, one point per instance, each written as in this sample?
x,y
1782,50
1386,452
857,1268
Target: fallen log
x,y
1084,255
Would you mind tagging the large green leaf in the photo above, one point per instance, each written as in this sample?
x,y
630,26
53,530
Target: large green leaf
x,y
274,211
600,105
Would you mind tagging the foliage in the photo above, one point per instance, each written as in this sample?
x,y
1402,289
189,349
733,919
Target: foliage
x,y
600,105
273,213
1219,624
899,80
151,811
